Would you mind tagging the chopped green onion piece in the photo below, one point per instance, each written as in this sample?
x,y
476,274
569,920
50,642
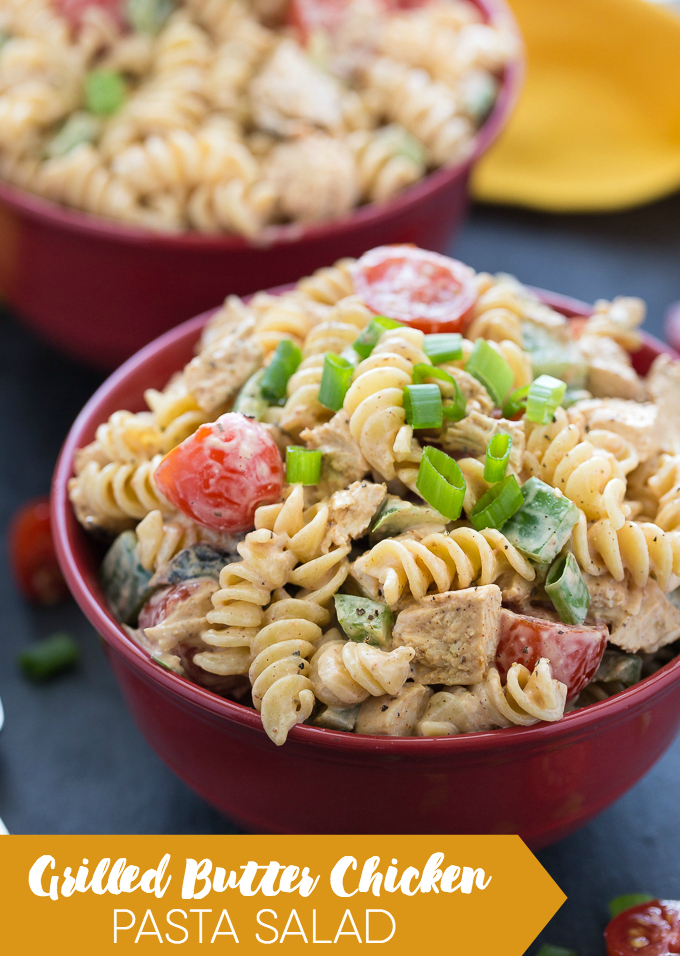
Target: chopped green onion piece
x,y
545,394
335,380
567,590
497,457
491,369
50,657
455,406
286,359
423,406
441,483
497,505
303,465
148,16
368,337
548,950
622,903
104,92
444,347
516,402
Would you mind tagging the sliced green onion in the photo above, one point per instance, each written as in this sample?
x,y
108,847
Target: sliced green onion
x,y
491,369
368,337
516,402
453,408
104,92
545,394
497,505
50,657
444,347
548,950
622,903
303,465
335,380
567,590
286,359
441,483
423,406
497,457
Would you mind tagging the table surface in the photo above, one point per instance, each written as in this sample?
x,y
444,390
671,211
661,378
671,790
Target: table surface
x,y
71,759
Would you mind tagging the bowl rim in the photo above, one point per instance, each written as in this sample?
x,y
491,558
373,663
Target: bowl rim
x,y
66,531
38,208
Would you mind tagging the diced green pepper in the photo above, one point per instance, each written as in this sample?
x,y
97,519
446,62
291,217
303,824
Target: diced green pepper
x,y
397,516
567,590
619,667
332,718
543,524
80,127
250,400
198,561
548,950
554,355
364,620
126,583
148,16
50,657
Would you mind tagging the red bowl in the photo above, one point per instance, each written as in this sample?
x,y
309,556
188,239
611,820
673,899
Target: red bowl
x,y
99,291
542,782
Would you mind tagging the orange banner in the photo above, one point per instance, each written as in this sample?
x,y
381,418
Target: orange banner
x,y
478,895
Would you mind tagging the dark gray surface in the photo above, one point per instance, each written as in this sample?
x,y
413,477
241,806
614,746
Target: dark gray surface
x,y
71,760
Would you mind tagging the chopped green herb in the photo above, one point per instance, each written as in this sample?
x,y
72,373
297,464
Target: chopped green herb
x,y
50,657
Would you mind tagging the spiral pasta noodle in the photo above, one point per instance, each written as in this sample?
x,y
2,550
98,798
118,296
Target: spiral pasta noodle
x,y
245,590
441,562
335,334
344,673
664,484
387,161
110,496
329,284
641,548
528,697
160,538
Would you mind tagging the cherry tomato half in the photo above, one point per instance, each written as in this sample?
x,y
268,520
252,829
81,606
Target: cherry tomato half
x,y
74,10
574,651
651,928
222,473
32,556
423,289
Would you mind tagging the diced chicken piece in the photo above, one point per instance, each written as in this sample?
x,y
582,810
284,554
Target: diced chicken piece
x,y
314,178
342,461
472,434
216,374
362,584
611,601
226,319
351,512
663,383
291,95
477,396
393,716
639,423
619,320
655,624
454,634
610,373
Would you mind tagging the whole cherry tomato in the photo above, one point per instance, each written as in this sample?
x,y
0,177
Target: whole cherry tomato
x,y
74,10
32,556
574,651
423,289
222,473
651,928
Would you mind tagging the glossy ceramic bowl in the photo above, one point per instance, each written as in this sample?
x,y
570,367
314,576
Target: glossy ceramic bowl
x,y
99,291
541,782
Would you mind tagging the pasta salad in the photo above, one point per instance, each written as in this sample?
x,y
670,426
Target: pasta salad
x,y
230,115
401,498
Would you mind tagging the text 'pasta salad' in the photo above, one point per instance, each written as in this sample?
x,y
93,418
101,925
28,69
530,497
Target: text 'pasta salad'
x,y
230,115
402,498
